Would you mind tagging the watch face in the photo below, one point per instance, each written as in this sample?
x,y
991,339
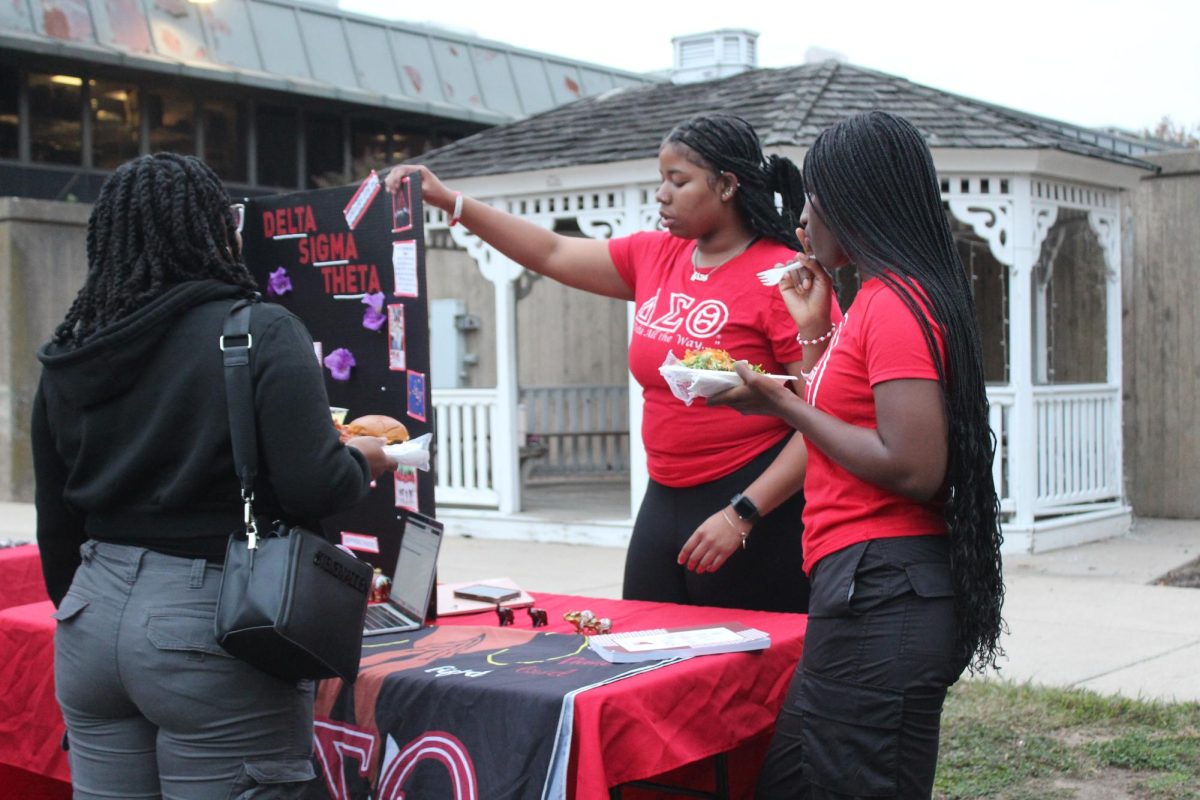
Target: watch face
x,y
745,507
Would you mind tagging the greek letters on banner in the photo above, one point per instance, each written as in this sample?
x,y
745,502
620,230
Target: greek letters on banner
x,y
468,713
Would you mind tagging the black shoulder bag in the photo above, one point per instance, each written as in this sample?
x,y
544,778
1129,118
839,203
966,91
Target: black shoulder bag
x,y
290,603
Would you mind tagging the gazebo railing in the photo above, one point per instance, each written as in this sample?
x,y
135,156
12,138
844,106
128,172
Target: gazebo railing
x,y
1000,401
1078,446
583,431
465,420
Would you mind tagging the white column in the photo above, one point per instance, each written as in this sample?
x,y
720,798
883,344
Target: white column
x,y
1107,227
639,476
634,220
502,272
1031,222
506,465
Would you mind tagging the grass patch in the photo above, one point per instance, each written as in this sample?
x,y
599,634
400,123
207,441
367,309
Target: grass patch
x,y
1018,742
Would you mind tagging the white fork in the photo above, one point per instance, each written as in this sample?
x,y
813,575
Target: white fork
x,y
772,276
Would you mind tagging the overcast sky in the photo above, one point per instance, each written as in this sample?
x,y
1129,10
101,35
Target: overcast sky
x,y
1089,62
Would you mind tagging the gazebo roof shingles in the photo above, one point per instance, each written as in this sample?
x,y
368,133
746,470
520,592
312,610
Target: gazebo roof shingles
x,y
788,107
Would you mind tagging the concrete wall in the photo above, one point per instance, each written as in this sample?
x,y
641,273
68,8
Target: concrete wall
x,y
1161,306
43,261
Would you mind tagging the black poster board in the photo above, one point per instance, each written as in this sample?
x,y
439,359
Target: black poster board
x,y
323,255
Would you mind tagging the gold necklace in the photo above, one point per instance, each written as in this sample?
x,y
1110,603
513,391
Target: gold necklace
x,y
697,275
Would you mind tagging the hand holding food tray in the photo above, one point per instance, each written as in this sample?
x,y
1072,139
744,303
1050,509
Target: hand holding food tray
x,y
704,373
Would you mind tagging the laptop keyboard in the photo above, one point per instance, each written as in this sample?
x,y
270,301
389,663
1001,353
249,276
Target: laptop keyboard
x,y
379,617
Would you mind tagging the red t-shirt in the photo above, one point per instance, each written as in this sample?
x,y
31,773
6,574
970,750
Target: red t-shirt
x,y
732,310
879,340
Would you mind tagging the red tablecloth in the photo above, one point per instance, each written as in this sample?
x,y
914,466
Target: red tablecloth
x,y
649,724
31,726
21,576
636,728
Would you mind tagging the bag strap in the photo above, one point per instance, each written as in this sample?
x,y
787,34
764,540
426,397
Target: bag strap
x,y
236,343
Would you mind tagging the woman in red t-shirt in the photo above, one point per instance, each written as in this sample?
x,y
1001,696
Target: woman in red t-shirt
x,y
902,535
723,491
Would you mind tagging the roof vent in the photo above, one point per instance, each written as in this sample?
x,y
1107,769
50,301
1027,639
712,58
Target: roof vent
x,y
715,54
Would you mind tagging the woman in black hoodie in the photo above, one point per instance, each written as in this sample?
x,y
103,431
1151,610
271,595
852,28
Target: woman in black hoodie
x,y
136,496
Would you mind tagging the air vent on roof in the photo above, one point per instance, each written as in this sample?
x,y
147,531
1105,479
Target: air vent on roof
x,y
715,54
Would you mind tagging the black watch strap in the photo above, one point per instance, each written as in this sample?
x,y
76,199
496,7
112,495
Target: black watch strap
x,y
745,508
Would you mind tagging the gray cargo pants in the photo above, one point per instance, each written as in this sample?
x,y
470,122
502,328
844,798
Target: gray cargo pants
x,y
154,707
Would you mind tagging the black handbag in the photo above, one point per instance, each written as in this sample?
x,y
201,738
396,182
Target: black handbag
x,y
290,603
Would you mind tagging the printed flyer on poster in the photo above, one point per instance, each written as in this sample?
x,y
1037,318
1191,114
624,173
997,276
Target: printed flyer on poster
x,y
350,262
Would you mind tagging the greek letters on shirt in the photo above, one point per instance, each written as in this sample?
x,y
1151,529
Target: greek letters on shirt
x,y
680,314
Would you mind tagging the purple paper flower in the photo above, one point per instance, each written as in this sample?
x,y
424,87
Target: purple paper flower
x,y
373,317
279,283
340,362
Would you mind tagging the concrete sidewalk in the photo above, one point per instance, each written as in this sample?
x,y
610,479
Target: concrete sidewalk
x,y
1085,617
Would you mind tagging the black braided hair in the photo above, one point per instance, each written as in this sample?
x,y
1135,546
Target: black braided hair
x,y
877,190
727,143
160,220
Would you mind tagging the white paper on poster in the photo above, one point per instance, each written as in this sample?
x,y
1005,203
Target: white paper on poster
x,y
404,268
406,488
397,355
362,542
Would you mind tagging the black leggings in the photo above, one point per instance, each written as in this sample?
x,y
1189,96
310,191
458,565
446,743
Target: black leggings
x,y
863,712
766,576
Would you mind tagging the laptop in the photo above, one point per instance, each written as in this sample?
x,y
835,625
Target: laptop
x,y
412,580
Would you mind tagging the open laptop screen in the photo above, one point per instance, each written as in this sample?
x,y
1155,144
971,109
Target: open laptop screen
x,y
416,566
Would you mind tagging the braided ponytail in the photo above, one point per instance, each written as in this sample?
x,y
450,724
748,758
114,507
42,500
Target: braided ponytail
x,y
727,143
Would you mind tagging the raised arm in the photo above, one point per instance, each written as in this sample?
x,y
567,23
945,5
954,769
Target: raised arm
x,y
571,260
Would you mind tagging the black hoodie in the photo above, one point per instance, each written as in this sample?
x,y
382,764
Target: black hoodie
x,y
131,438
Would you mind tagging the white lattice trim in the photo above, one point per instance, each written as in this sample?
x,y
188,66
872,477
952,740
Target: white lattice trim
x,y
991,221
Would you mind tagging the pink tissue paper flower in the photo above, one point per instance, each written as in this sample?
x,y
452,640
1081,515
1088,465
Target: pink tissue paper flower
x,y
373,317
340,362
279,283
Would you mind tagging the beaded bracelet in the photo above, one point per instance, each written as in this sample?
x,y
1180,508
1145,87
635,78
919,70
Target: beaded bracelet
x,y
457,213
807,342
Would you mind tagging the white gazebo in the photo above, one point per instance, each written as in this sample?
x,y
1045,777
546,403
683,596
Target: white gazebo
x,y
1037,210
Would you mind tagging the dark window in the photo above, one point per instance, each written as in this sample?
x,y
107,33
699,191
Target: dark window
x,y
225,135
116,127
10,121
172,119
56,118
1070,304
406,144
989,288
323,144
276,138
368,147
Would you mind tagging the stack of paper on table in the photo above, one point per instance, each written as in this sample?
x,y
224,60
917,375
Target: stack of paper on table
x,y
448,605
697,640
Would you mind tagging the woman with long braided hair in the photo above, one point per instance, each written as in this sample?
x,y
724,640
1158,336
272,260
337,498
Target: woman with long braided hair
x,y
136,496
720,521
902,534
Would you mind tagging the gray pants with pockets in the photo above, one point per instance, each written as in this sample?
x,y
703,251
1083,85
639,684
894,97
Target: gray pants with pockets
x,y
154,707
